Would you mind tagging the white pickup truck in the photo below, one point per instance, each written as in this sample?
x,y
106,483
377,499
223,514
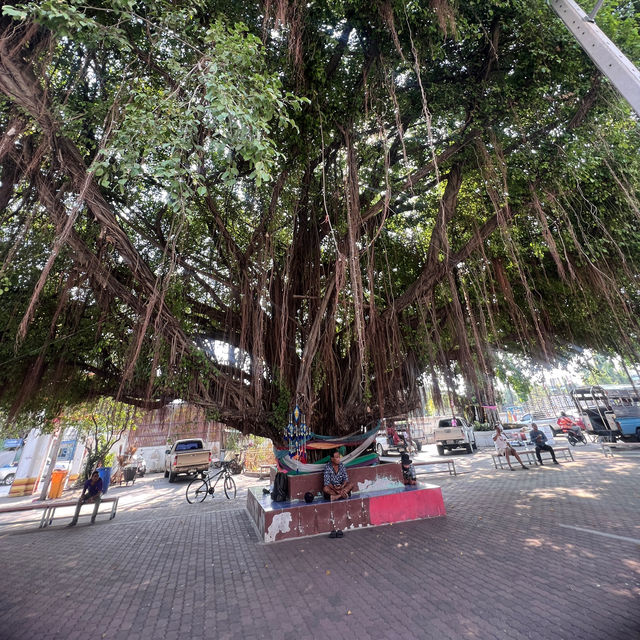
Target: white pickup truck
x,y
186,457
455,433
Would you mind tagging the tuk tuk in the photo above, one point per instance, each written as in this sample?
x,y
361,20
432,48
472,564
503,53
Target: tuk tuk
x,y
609,411
396,436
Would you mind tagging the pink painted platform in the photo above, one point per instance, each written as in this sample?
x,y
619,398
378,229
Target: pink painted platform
x,y
296,519
377,477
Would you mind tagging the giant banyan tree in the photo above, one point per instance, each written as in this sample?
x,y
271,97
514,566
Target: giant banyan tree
x,y
250,204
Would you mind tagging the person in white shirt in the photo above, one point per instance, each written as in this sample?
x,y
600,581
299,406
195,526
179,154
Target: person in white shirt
x,y
504,448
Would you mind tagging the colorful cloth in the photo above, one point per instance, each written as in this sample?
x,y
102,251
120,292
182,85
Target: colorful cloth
x,y
285,460
331,442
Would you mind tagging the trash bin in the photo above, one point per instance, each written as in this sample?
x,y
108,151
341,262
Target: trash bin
x,y
57,482
105,476
129,474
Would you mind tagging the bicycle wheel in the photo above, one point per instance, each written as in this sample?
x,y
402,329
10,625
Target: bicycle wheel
x,y
197,490
229,487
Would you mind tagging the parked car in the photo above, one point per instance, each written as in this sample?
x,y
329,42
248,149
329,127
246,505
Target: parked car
x,y
8,474
186,457
455,433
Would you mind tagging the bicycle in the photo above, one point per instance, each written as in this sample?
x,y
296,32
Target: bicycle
x,y
199,488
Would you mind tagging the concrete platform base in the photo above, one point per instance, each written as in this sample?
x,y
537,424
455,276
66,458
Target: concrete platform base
x,y
379,477
296,519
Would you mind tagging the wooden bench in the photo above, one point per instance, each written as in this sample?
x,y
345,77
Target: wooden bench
x,y
451,466
49,508
620,448
530,455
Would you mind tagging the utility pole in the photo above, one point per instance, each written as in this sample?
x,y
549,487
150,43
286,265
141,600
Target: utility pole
x,y
624,76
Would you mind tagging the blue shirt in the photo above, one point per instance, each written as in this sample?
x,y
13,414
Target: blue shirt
x,y
93,489
334,478
538,438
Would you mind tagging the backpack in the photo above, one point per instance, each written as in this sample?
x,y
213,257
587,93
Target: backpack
x,y
280,487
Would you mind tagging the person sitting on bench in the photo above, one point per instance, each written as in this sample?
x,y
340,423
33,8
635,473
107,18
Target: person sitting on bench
x,y
336,481
92,492
540,441
503,448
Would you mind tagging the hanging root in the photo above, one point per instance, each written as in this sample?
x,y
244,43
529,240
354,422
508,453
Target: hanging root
x,y
446,16
290,14
386,13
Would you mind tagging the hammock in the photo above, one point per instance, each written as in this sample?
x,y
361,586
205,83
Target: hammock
x,y
361,461
354,438
331,442
304,467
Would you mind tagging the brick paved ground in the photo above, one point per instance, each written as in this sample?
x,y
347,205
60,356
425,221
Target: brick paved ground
x,y
502,564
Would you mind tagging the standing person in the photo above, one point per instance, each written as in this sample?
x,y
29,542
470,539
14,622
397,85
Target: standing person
x,y
505,449
540,441
91,492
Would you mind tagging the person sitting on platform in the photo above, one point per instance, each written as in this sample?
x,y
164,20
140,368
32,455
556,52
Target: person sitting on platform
x,y
336,481
408,470
540,441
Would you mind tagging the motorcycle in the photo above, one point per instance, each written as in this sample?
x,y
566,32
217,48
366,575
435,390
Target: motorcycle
x,y
236,466
575,435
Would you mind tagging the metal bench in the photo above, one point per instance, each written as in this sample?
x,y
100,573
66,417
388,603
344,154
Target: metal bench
x,y
265,470
49,508
620,448
531,457
451,466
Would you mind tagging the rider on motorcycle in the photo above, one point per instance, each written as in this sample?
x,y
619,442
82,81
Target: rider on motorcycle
x,y
566,422
572,428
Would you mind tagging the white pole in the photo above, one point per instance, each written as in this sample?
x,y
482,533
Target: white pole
x,y
624,76
53,454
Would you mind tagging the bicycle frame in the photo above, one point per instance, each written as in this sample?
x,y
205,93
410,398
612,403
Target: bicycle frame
x,y
222,473
199,488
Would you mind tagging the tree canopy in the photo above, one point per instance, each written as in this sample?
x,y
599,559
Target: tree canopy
x,y
248,205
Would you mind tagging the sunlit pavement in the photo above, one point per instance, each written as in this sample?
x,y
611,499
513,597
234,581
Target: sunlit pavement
x,y
552,552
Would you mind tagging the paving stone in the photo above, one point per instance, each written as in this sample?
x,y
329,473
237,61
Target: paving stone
x,y
500,565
